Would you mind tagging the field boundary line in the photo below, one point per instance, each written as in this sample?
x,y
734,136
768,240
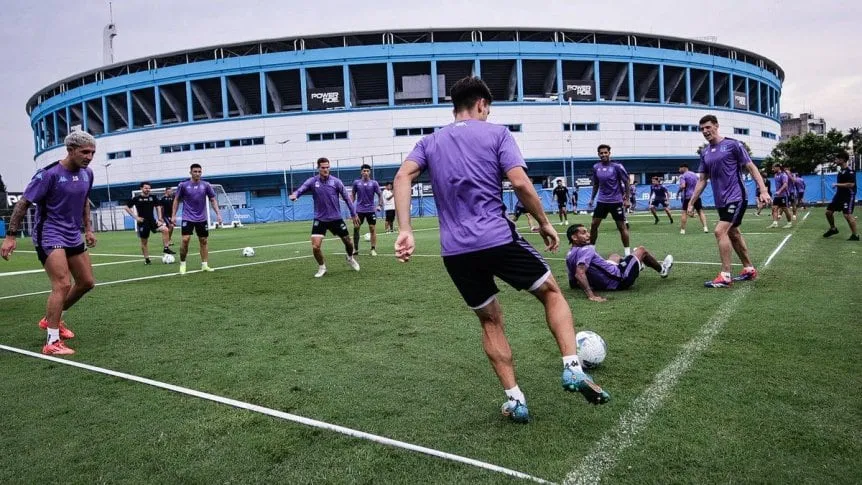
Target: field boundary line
x,y
607,451
280,415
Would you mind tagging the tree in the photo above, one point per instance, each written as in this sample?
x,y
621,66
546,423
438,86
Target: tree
x,y
804,153
854,137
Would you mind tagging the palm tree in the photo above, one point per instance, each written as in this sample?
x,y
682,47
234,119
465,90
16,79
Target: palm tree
x,y
854,137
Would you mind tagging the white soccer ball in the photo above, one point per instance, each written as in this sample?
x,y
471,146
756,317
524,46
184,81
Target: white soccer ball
x,y
591,348
248,252
367,236
168,259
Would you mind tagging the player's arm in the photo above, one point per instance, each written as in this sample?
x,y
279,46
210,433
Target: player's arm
x,y
214,204
404,244
595,190
526,193
14,227
626,190
379,198
176,206
89,235
133,213
584,283
702,179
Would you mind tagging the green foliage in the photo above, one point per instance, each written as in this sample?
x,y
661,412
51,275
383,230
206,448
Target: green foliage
x,y
2,185
803,153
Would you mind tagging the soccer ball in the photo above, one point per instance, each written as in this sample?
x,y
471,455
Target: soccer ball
x,y
367,236
248,252
168,259
591,348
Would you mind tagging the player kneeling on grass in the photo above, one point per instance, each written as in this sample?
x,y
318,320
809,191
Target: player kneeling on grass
x,y
589,271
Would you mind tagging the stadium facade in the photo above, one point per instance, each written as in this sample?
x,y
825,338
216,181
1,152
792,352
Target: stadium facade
x,y
257,114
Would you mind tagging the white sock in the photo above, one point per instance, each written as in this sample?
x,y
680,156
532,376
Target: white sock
x,y
182,264
515,394
725,275
53,335
321,267
204,264
628,251
573,362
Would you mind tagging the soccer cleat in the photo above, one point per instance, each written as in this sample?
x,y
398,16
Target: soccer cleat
x,y
353,263
682,231
705,230
746,275
831,232
207,268
656,221
320,272
578,381
671,220
773,225
719,282
794,217
374,252
666,265
182,268
57,348
516,411
65,333
168,251
854,237
147,261
787,226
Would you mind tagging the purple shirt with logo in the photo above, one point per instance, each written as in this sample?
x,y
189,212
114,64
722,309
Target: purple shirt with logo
x,y
724,162
363,194
612,180
601,273
658,192
467,161
325,194
690,180
780,179
60,196
194,198
800,186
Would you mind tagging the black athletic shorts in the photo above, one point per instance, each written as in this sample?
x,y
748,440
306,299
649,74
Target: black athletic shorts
x,y
614,209
517,263
845,206
630,268
390,216
336,227
561,205
43,252
698,205
202,229
662,203
168,221
146,227
732,212
367,216
780,202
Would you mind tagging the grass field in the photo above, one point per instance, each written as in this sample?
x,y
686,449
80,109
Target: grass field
x,y
761,383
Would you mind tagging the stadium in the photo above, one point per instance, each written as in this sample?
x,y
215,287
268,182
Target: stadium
x,y
257,114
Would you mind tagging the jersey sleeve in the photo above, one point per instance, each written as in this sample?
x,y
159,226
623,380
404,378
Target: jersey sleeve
x,y
131,202
210,192
508,153
180,192
742,157
38,187
304,187
418,155
344,195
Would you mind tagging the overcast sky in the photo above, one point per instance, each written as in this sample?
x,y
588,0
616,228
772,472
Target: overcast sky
x,y
816,43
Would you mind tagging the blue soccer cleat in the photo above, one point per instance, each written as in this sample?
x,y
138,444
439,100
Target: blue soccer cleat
x,y
719,282
516,411
578,381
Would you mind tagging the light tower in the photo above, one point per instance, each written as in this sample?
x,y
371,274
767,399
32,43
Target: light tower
x,y
108,35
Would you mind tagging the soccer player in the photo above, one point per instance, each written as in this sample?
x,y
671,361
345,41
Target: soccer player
x,y
467,161
589,271
844,199
561,193
658,196
325,190
193,194
611,182
165,209
687,183
800,194
520,209
364,189
791,193
143,206
389,207
722,162
782,192
60,193
575,199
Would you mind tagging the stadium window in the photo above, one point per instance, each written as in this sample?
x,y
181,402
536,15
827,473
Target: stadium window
x,y
122,154
332,135
766,134
400,131
209,145
270,192
314,137
514,128
340,135
740,131
200,146
425,130
580,127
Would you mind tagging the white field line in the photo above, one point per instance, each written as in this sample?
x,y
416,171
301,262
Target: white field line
x,y
607,451
91,254
281,415
31,271
806,215
545,257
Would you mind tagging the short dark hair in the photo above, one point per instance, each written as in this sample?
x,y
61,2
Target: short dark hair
x,y
364,166
842,155
603,145
196,165
708,119
146,183
571,231
681,165
322,160
468,91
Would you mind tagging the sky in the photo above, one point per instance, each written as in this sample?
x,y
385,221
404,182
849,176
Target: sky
x,y
45,41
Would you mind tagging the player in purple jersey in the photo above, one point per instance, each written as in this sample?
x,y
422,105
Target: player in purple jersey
x,y
60,192
844,199
658,196
722,161
589,271
687,183
757,192
364,190
781,197
147,222
325,190
611,184
193,194
800,194
467,161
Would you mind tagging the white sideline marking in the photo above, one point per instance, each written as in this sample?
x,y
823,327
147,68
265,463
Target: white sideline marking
x,y
30,271
607,451
91,254
280,414
806,215
544,257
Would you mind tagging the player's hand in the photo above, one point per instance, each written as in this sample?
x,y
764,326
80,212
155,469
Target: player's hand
x,y
590,204
834,186
90,239
550,236
356,222
8,247
627,203
404,246
218,219
598,298
292,197
690,210
766,199
139,219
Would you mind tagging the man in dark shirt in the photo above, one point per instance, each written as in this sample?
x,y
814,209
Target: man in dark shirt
x,y
166,208
844,199
561,193
143,214
658,196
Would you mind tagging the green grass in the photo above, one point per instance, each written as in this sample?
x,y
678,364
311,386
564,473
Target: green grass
x,y
393,351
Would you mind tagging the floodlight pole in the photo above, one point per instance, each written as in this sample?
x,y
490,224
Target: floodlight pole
x,y
108,185
284,173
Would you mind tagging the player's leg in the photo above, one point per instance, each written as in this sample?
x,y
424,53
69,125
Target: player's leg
x,y
739,246
565,213
203,232
683,219
669,215
725,247
701,214
647,258
619,217
81,270
317,252
594,230
339,228
57,268
166,239
851,221
652,211
372,228
145,248
357,225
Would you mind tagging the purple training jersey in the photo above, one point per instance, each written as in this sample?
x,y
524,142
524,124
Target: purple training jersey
x,y
194,197
800,186
723,163
780,189
689,178
467,161
601,273
658,192
612,180
363,194
325,194
60,196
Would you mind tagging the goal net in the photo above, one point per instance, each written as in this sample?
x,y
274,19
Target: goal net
x,y
229,214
